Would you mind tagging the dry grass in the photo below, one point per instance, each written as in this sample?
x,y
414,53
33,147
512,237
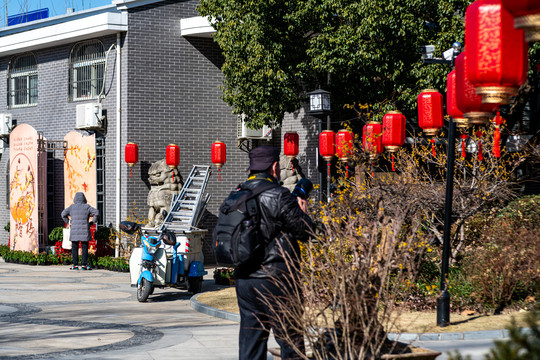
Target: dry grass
x,y
411,322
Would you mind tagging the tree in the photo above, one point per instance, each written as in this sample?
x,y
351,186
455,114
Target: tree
x,y
362,51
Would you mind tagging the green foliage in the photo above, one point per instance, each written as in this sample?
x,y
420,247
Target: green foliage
x,y
57,234
102,233
275,51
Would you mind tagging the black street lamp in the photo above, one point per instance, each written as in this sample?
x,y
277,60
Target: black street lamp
x,y
319,107
443,302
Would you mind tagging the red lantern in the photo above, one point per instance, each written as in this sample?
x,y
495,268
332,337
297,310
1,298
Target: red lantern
x,y
291,144
430,111
393,133
476,112
326,144
344,147
496,52
172,156
451,101
219,155
372,139
526,15
131,155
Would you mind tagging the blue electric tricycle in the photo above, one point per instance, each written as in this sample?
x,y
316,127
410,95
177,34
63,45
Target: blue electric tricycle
x,y
166,260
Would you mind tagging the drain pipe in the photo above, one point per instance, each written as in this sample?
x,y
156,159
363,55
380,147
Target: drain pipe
x,y
118,143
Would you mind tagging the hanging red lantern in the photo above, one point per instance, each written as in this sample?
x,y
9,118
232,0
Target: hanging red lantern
x,y
291,144
172,157
451,102
430,111
526,15
372,139
476,112
393,134
344,147
326,144
131,155
219,155
496,52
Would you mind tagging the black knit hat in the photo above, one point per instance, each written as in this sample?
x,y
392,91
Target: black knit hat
x,y
262,157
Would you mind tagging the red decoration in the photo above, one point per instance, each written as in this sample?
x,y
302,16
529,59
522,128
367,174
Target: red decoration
x,y
463,138
497,121
451,101
476,112
433,147
219,155
430,111
172,156
480,152
344,147
372,139
326,144
291,145
496,51
393,131
526,15
131,155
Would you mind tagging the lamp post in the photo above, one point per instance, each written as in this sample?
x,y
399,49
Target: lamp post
x,y
319,107
443,302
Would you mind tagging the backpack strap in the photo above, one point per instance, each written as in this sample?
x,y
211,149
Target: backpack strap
x,y
251,206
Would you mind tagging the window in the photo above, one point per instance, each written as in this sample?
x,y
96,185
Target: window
x,y
87,65
22,81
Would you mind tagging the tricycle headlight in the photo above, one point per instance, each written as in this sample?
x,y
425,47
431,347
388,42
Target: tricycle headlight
x,y
152,250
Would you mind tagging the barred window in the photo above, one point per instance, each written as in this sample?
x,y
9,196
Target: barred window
x,y
87,65
22,81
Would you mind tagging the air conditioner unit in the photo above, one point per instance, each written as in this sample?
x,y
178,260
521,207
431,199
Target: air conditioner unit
x,y
89,116
245,132
5,125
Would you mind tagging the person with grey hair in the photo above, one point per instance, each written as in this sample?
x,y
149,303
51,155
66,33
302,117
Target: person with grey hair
x,y
283,222
80,213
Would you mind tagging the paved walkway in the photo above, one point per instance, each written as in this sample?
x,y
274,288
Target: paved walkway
x,y
51,312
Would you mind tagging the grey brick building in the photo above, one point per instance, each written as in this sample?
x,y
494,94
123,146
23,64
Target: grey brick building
x,y
168,92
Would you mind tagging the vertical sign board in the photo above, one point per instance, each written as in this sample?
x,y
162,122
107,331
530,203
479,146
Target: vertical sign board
x,y
80,168
23,189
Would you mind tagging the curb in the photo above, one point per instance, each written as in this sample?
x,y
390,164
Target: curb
x,y
405,337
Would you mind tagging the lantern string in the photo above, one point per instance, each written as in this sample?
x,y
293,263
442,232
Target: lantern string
x,y
173,175
347,168
480,154
433,147
219,174
393,166
131,172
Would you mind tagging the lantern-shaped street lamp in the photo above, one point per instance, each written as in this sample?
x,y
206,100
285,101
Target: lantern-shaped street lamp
x,y
430,111
291,146
372,139
496,52
526,15
319,102
476,112
393,133
451,101
131,155
344,147
172,157
219,155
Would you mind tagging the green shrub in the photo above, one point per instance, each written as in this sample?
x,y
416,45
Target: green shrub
x,y
57,234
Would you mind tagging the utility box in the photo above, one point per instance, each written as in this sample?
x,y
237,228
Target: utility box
x,y
6,125
244,132
89,116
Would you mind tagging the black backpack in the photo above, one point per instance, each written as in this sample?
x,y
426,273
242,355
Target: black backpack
x,y
237,239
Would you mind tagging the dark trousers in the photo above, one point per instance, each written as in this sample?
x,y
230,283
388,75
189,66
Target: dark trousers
x,y
256,321
75,252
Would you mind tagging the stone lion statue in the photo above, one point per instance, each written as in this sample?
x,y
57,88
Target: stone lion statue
x,y
291,172
164,183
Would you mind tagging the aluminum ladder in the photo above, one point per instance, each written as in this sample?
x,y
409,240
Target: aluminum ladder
x,y
188,206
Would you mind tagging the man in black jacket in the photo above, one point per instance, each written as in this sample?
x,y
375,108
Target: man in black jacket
x,y
283,222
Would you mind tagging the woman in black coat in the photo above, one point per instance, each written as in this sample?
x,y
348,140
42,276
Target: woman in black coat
x,y
80,213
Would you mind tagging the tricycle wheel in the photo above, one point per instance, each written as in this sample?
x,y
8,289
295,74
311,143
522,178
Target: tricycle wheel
x,y
144,290
195,284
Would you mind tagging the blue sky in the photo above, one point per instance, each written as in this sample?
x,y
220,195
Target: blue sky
x,y
56,7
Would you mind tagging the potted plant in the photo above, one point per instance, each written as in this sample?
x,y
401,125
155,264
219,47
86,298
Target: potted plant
x,y
42,258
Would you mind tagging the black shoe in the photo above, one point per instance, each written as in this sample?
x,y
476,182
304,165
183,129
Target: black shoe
x,y
74,267
84,267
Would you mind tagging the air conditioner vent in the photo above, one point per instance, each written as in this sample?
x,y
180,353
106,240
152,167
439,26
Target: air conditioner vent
x,y
89,116
6,125
247,133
